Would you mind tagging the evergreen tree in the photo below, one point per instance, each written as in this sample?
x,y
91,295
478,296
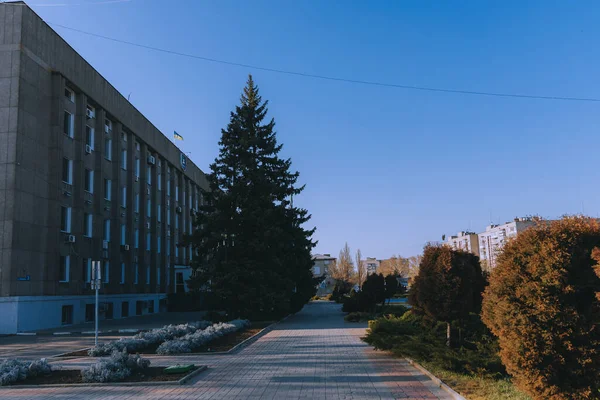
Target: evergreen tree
x,y
254,254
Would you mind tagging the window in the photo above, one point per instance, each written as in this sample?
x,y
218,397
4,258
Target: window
x,y
168,217
67,315
148,241
176,250
89,181
87,269
122,273
148,208
196,199
149,175
135,273
124,136
68,124
137,167
179,283
89,136
137,202
150,306
106,271
107,126
168,187
136,239
124,160
158,213
69,95
67,171
106,234
183,197
65,266
90,111
159,181
108,149
137,146
176,192
148,275
158,276
158,244
176,222
190,199
123,235
124,196
168,247
87,225
125,309
317,270
65,219
107,189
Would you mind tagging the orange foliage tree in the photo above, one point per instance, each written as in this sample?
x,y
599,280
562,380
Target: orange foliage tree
x,y
543,304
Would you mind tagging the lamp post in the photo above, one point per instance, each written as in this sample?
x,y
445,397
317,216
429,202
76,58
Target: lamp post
x,y
96,282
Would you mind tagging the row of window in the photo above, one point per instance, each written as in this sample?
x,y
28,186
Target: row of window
x,y
106,310
65,271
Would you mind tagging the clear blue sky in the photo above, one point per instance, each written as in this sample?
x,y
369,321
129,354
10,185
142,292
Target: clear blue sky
x,y
386,169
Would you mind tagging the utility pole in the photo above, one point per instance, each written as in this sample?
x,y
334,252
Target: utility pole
x,y
96,282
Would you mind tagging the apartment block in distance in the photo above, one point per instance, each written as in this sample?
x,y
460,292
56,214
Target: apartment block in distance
x,y
495,236
84,176
321,264
466,241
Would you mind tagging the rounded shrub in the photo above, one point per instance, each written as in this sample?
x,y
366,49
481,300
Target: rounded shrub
x,y
543,303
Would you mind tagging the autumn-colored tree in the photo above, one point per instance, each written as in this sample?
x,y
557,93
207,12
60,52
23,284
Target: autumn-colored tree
x,y
413,265
361,269
343,269
394,266
448,286
543,303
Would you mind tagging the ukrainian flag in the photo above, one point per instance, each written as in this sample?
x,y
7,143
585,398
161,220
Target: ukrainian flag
x,y
177,136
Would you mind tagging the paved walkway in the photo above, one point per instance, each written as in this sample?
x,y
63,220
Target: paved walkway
x,y
312,355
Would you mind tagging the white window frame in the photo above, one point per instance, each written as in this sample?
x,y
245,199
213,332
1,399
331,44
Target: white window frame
x,y
107,189
70,129
137,203
108,149
136,239
106,228
158,217
108,125
91,180
149,175
123,196
88,270
92,109
124,160
67,227
137,167
137,145
158,181
92,136
67,268
70,171
88,225
71,96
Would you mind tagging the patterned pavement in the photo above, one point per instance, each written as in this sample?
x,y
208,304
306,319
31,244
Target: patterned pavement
x,y
312,355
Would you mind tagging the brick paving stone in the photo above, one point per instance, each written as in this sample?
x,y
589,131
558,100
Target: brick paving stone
x,y
311,355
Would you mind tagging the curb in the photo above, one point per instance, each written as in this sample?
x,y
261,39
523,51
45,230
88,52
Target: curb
x,y
76,332
182,381
436,380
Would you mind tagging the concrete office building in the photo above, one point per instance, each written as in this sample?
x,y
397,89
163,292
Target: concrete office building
x,y
495,236
83,176
467,241
321,264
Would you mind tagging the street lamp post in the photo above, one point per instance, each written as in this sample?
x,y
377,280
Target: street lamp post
x,y
96,282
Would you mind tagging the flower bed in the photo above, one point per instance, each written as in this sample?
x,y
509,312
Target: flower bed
x,y
144,340
119,366
198,339
12,371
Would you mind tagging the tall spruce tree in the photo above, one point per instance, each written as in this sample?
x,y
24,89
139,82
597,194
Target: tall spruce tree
x,y
254,255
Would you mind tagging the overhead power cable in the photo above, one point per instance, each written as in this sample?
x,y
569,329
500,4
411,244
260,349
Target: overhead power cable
x,y
331,78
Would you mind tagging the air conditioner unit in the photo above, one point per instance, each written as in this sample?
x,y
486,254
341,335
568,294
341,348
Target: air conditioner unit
x,y
89,113
107,130
137,178
168,233
151,160
147,225
148,191
122,214
105,244
71,238
88,149
168,203
126,247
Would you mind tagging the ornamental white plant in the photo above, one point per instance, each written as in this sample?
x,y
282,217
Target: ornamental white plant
x,y
15,370
146,339
192,341
119,366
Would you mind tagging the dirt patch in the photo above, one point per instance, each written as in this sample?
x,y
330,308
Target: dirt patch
x,y
72,376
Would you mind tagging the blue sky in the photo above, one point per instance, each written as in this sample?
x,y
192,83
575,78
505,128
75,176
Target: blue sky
x,y
385,169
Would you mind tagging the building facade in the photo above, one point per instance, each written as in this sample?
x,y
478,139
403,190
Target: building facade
x,y
466,241
320,270
84,177
495,236
371,264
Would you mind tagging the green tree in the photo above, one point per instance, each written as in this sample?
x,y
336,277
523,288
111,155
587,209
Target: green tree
x,y
391,286
254,254
373,291
543,304
448,286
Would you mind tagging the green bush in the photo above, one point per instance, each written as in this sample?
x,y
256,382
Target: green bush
x,y
358,317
